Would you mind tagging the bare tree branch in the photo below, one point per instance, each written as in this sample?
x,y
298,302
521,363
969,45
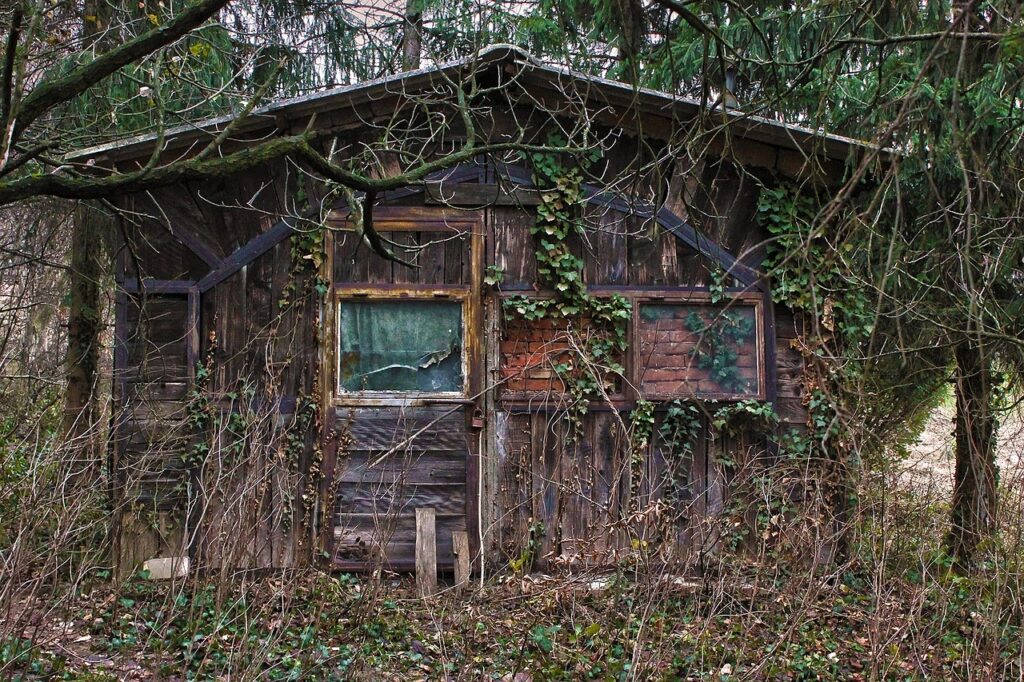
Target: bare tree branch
x,y
53,92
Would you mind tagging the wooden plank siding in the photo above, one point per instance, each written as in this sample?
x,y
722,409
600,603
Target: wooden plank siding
x,y
366,463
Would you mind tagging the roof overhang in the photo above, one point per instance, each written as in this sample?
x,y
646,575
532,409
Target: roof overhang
x,y
289,114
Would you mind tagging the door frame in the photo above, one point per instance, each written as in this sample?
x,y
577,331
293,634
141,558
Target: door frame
x,y
415,218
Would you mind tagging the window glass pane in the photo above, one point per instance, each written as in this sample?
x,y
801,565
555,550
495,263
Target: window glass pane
x,y
400,346
693,349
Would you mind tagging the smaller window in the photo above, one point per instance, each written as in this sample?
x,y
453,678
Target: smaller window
x,y
400,346
698,349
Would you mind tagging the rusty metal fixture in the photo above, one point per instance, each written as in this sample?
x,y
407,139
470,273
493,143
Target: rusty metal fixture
x,y
477,420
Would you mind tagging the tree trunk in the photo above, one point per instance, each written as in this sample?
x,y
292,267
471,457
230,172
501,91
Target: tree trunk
x,y
84,326
974,483
412,35
84,315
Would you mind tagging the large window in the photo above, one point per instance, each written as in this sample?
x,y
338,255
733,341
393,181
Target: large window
x,y
698,349
400,346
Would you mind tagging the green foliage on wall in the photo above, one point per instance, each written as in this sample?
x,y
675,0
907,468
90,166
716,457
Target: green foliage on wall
x,y
721,336
559,217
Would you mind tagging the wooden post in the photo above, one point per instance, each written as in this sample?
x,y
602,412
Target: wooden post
x,y
460,548
426,551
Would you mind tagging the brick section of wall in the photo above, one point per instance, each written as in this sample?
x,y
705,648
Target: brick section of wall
x,y
667,364
530,349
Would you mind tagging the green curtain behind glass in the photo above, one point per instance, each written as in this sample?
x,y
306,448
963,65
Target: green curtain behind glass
x,y
401,346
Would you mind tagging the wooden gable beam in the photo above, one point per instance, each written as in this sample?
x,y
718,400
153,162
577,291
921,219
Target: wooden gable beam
x,y
247,253
664,217
195,245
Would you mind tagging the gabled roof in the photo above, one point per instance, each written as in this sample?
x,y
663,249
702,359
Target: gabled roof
x,y
530,70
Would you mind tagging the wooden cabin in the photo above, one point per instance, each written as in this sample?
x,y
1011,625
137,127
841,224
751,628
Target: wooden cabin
x,y
287,395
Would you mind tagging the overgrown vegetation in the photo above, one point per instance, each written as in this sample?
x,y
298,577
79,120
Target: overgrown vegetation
x,y
896,612
599,323
822,562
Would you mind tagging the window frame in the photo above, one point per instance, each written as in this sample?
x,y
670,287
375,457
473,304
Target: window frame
x,y
703,297
365,294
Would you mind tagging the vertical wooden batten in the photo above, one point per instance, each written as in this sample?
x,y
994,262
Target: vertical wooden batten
x,y
460,547
426,551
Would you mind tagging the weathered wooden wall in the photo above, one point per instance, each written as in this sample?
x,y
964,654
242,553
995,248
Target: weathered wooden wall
x,y
389,458
275,481
209,441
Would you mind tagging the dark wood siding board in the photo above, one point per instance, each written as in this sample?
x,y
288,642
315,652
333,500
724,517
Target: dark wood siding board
x,y
379,270
158,286
120,328
479,195
515,452
193,329
513,246
668,220
405,429
791,411
456,260
432,257
689,235
471,486
397,459
652,255
332,434
361,540
546,478
154,391
609,478
789,368
248,253
441,254
260,309
736,206
410,468
576,493
694,269
150,430
284,324
155,247
607,263
490,461
249,205
156,338
345,264
175,210
264,270
653,259
236,340
196,245
698,507
388,499
234,210
222,312
677,471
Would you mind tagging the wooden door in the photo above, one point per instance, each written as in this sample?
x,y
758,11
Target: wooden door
x,y
402,363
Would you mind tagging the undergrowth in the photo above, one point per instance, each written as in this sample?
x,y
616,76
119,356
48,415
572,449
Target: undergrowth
x,y
896,611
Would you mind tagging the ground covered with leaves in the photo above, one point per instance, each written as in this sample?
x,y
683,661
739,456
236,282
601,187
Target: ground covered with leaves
x,y
612,626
